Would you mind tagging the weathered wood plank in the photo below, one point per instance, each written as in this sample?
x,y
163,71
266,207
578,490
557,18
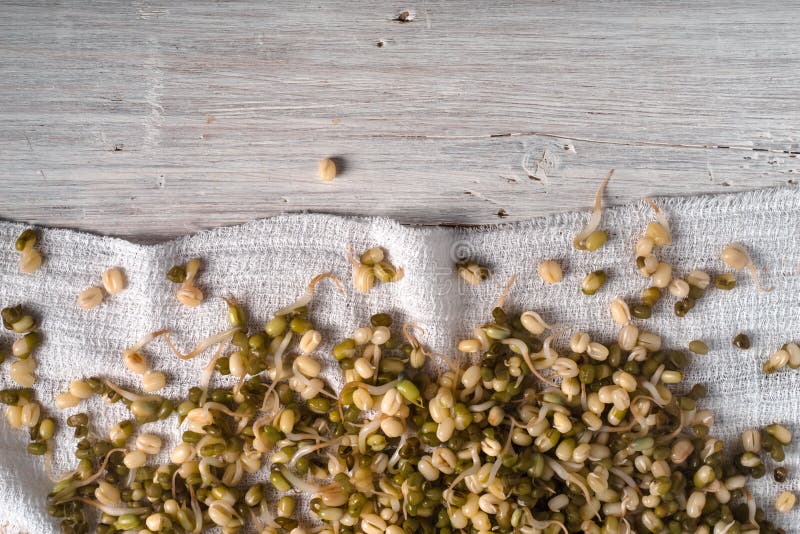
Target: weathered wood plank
x,y
153,119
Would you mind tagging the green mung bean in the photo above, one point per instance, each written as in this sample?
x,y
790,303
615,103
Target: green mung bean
x,y
741,341
725,281
698,347
176,274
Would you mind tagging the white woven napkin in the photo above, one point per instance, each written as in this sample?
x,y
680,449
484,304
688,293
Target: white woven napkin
x,y
267,264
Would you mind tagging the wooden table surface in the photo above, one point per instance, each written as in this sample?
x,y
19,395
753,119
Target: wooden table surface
x,y
151,119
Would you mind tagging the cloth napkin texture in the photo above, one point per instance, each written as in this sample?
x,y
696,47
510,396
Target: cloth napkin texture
x,y
267,264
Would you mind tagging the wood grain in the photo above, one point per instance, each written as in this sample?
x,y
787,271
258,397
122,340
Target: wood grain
x,y
154,119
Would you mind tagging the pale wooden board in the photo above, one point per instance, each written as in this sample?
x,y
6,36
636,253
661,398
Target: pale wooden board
x,y
221,110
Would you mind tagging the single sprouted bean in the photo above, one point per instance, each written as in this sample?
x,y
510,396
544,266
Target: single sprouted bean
x,y
794,354
372,256
658,231
593,282
695,504
21,372
148,443
698,278
16,320
47,429
66,400
189,294
628,336
107,494
590,238
551,272
785,502
23,347
113,280
153,381
469,345
80,389
135,363
651,296
363,277
327,169
533,323
135,459
780,433
620,311
679,288
736,257
647,265
310,341
133,359
158,522
644,247
386,272
776,362
579,342
751,440
30,258
90,298
30,414
662,276
14,416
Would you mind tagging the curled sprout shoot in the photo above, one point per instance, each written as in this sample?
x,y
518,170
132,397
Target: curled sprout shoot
x,y
582,241
501,300
736,257
66,485
139,345
129,395
309,294
203,345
